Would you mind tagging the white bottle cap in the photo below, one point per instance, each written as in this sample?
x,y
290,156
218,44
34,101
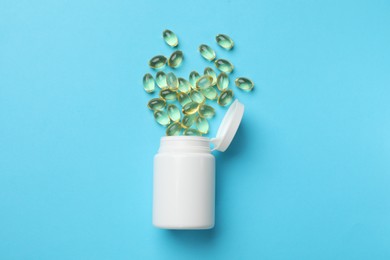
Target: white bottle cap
x,y
228,127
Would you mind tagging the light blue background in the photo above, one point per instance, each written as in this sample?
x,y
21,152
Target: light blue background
x,y
307,177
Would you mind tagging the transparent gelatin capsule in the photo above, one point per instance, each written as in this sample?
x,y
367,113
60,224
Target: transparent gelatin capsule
x,y
222,81
170,38
226,97
244,83
174,129
224,41
175,59
207,52
209,71
148,83
210,93
197,97
202,124
190,108
224,65
204,82
188,120
192,132
183,98
206,111
168,94
158,62
172,81
156,104
161,80
161,117
184,85
194,76
173,113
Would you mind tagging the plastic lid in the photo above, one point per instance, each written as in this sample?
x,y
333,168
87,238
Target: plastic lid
x,y
228,127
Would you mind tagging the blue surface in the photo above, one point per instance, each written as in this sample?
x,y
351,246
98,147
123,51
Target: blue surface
x,y
307,176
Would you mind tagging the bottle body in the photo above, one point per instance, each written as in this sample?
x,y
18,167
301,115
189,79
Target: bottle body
x,y
184,184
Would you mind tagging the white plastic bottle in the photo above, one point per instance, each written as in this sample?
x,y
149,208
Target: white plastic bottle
x,y
184,176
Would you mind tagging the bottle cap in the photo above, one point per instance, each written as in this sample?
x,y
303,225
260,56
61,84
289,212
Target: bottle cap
x,y
228,127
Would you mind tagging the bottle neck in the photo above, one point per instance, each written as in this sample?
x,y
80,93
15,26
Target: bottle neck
x,y
188,144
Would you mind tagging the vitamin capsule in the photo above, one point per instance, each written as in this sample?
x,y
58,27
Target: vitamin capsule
x,y
148,83
175,59
190,108
161,80
174,129
183,98
168,94
206,111
224,65
204,82
157,62
222,81
202,124
209,71
194,76
197,97
156,104
193,132
161,117
207,52
226,97
172,81
173,113
188,120
210,93
170,38
224,41
244,83
184,85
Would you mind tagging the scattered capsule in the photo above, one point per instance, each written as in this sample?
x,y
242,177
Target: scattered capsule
x,y
209,71
226,97
183,98
202,124
190,108
204,82
192,132
194,76
156,104
173,113
206,111
244,83
224,41
210,93
197,97
175,59
170,38
184,85
148,83
207,52
161,79
161,117
168,94
188,120
174,129
222,81
224,65
157,62
172,81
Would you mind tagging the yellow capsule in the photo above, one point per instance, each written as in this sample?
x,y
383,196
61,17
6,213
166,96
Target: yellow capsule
x,y
204,82
174,129
173,113
197,97
207,52
244,83
222,81
156,104
224,65
172,81
161,117
192,132
188,120
183,98
161,80
202,124
226,97
168,94
224,41
175,59
209,71
210,93
157,62
206,111
194,76
148,82
190,108
170,38
184,85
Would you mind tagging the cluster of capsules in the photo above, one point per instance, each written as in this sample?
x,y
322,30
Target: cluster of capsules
x,y
191,94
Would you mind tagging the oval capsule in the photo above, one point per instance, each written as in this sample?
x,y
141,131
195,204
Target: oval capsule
x,y
172,81
161,79
202,124
170,38
168,94
184,85
206,111
161,117
224,65
197,97
244,83
183,98
175,59
148,83
157,62
222,81
210,93
173,113
174,129
224,41
209,71
207,52
156,104
188,120
194,76
190,108
204,82
225,98
192,132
